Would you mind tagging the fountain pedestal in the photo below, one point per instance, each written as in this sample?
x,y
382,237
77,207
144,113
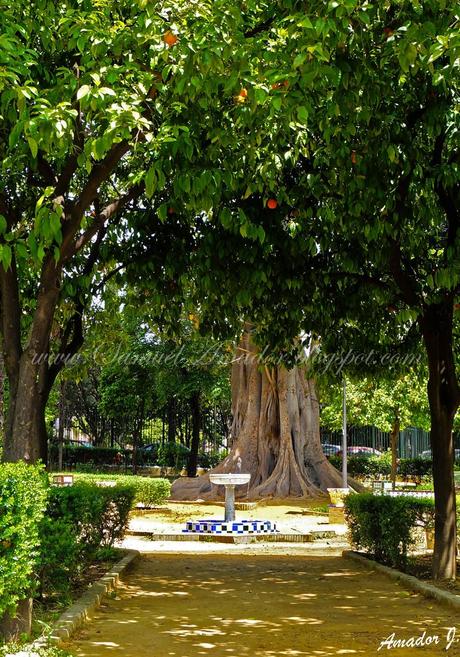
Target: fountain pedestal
x,y
229,481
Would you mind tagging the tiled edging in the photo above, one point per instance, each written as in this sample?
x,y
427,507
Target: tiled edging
x,y
408,581
80,611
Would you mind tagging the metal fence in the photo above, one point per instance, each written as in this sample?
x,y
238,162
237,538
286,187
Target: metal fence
x,y
412,441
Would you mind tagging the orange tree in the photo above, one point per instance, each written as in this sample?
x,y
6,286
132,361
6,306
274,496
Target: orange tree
x,y
104,107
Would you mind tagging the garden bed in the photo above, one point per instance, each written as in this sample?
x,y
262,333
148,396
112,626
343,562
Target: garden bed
x,y
48,609
420,566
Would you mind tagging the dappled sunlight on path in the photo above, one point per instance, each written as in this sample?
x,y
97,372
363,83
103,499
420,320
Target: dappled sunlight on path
x,y
258,606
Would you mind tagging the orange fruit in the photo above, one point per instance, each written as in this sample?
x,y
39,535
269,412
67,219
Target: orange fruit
x,y
243,93
272,203
170,38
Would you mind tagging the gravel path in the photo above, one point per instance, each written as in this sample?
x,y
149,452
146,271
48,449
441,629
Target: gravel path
x,y
259,604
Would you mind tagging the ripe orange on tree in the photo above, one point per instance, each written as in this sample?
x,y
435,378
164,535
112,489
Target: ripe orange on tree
x,y
170,38
272,203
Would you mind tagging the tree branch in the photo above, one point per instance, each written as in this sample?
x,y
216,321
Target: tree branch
x,y
11,321
403,280
107,213
262,27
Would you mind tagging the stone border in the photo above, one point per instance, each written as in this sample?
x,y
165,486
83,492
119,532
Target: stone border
x,y
310,537
80,611
408,581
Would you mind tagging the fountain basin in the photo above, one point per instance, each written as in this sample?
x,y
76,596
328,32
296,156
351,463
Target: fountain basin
x,y
224,527
229,479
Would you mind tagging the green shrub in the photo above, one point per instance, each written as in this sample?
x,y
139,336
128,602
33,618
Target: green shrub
x,y
99,514
211,459
23,491
380,466
173,455
382,525
80,519
415,467
150,491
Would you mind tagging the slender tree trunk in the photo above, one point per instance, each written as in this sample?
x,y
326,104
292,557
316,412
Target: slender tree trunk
x,y
444,399
275,435
172,420
195,442
394,435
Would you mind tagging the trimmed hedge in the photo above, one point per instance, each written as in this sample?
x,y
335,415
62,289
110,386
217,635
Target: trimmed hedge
x,y
80,520
364,466
380,466
382,525
149,491
23,490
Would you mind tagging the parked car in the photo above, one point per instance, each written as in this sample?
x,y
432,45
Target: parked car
x,y
428,455
361,450
78,443
330,450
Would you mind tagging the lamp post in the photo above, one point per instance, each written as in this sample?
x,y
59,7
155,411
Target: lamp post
x,y
344,438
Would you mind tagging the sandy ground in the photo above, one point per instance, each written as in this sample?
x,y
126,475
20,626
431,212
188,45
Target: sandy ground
x,y
259,605
290,517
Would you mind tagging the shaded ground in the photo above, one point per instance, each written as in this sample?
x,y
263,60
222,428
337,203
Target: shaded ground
x,y
259,606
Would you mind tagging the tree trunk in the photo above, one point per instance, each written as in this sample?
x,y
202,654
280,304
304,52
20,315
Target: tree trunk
x,y
172,420
13,627
444,399
394,435
2,398
195,442
275,435
26,436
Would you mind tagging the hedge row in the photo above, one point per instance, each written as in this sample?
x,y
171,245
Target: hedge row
x,y
383,525
147,490
49,535
168,455
80,520
375,466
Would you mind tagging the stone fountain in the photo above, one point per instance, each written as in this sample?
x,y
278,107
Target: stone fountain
x,y
229,525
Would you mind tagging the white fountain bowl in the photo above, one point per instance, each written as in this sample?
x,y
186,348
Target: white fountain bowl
x,y
229,479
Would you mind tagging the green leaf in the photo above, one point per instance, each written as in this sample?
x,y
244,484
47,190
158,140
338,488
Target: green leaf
x,y
302,114
33,146
5,255
3,224
150,182
162,212
299,59
83,91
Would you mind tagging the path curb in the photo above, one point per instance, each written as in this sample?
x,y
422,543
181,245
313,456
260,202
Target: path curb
x,y
80,611
409,581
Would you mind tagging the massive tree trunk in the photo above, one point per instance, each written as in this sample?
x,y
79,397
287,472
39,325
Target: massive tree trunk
x,y
275,435
444,398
